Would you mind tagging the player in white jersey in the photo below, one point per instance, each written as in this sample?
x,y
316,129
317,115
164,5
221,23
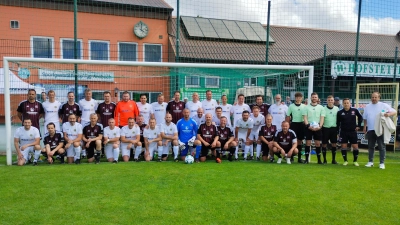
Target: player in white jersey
x,y
159,109
72,131
145,108
51,108
152,141
111,142
88,106
199,117
243,129
27,140
209,104
278,112
169,134
238,109
216,120
226,110
259,120
194,105
130,138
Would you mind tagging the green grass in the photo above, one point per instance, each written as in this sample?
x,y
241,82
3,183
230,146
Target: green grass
x,y
205,193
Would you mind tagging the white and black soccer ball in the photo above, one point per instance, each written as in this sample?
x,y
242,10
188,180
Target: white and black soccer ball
x,y
189,159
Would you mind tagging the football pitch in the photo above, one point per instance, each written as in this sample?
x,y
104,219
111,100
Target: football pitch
x,y
207,193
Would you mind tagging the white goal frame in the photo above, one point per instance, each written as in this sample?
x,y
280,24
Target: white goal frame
x,y
6,60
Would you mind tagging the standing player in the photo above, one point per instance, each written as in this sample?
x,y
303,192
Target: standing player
x,y
295,114
263,106
111,142
130,138
88,106
285,143
313,115
218,115
226,138
53,144
51,108
259,120
237,110
194,105
278,112
43,97
169,135
105,110
72,137
209,104
243,129
160,109
329,129
70,107
199,117
92,137
145,108
207,138
27,140
266,136
348,125
31,109
226,110
152,141
124,110
187,130
175,107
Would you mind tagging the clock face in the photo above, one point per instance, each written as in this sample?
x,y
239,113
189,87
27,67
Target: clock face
x,y
141,29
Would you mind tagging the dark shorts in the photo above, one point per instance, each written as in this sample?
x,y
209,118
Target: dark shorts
x,y
205,150
317,135
90,150
329,134
348,136
223,144
264,149
299,129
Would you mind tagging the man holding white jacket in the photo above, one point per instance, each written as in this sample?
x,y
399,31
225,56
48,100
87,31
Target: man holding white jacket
x,y
371,113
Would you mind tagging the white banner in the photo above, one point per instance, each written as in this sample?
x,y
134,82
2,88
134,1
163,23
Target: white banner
x,y
365,69
45,74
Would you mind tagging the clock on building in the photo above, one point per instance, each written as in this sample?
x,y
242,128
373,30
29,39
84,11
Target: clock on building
x,y
141,30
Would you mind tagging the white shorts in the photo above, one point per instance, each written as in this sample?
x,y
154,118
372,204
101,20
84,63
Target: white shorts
x,y
124,150
109,150
71,151
26,152
253,136
152,148
166,148
242,136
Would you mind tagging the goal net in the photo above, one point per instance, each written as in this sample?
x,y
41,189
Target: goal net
x,y
152,79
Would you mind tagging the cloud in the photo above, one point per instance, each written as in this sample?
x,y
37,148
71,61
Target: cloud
x,y
322,14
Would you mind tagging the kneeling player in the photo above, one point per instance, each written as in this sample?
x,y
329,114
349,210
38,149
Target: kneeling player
x,y
53,144
243,129
130,138
111,141
72,136
152,141
187,130
92,136
266,136
207,138
259,120
285,143
169,134
226,137
27,140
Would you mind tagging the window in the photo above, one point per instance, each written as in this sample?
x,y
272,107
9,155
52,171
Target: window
x,y
99,50
272,83
135,95
127,51
250,81
192,81
152,53
344,85
42,47
212,81
14,24
289,84
67,49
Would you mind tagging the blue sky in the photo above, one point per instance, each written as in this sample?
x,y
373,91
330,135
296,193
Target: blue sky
x,y
381,8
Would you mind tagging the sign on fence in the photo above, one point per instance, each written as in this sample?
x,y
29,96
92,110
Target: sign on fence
x,y
366,69
45,74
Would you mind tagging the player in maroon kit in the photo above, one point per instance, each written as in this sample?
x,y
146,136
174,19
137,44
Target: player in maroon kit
x,y
263,106
266,136
207,137
31,109
92,137
53,144
226,137
285,143
176,107
70,107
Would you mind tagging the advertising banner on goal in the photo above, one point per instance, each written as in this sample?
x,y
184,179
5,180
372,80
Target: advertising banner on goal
x,y
365,69
46,74
62,90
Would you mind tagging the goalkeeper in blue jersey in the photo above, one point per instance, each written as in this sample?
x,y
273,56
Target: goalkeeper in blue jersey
x,y
187,131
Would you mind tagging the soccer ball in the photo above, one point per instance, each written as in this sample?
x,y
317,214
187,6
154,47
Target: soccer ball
x,y
189,159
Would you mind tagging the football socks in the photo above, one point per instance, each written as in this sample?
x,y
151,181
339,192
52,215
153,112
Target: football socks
x,y
355,155
77,152
116,154
344,154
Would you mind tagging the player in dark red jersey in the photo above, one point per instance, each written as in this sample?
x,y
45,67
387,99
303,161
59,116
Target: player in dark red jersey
x,y
70,107
92,137
176,107
207,137
31,109
142,125
285,143
226,137
106,109
263,106
266,136
53,144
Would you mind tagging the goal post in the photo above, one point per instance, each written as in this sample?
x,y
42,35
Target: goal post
x,y
152,78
